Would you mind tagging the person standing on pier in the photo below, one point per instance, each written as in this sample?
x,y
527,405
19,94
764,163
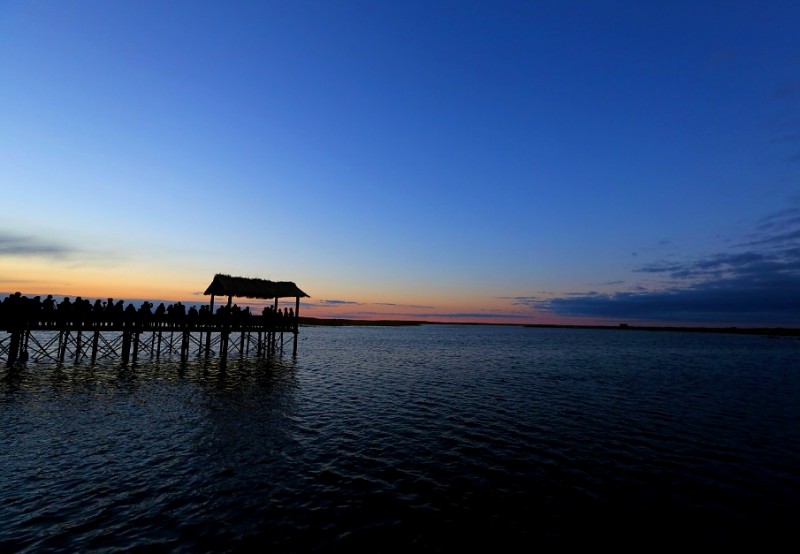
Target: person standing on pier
x,y
48,310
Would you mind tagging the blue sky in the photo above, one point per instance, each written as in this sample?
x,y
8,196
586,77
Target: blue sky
x,y
470,161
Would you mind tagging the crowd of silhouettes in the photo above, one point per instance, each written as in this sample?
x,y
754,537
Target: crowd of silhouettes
x,y
18,310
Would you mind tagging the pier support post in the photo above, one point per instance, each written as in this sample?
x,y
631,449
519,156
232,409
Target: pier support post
x,y
126,344
223,345
135,345
63,337
95,342
78,344
14,347
184,345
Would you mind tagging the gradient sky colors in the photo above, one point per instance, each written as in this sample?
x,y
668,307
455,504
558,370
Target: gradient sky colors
x,y
522,162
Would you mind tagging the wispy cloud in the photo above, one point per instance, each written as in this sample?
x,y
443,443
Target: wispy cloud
x,y
478,315
439,316
756,283
412,306
13,245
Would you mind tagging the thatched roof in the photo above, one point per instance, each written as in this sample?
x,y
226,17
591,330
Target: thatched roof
x,y
247,287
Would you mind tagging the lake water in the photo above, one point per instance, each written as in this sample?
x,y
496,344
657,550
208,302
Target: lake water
x,y
437,438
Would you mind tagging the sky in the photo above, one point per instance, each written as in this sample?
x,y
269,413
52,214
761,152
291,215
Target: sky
x,y
538,162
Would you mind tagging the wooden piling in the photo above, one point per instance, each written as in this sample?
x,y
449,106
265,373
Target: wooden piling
x,y
63,337
95,342
14,347
78,346
135,345
126,344
295,324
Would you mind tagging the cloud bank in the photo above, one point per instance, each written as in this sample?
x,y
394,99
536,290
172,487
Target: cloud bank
x,y
758,283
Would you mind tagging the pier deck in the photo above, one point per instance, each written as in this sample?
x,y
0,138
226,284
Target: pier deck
x,y
60,342
40,330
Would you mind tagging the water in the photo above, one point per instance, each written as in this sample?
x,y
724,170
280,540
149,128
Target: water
x,y
431,438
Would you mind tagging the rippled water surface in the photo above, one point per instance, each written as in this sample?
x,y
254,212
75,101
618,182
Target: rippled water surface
x,y
430,438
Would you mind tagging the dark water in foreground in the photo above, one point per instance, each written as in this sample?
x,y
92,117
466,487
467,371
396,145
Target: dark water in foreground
x,y
432,438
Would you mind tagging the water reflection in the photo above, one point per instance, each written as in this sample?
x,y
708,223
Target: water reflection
x,y
260,372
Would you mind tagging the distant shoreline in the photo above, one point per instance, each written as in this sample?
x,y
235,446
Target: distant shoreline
x,y
766,331
318,321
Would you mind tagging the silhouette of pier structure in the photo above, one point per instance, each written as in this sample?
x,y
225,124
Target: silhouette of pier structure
x,y
78,331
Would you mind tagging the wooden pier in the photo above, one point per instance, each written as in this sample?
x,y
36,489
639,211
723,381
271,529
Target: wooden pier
x,y
31,332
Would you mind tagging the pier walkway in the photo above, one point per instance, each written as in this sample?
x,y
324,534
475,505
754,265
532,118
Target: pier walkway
x,y
41,331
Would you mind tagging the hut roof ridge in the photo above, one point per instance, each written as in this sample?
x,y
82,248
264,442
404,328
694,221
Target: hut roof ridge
x,y
252,287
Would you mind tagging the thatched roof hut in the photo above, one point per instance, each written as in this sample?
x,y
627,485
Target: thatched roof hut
x,y
247,287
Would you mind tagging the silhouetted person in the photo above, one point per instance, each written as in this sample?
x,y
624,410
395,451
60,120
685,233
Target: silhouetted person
x,y
34,310
205,314
161,314
48,310
98,310
119,311
130,313
65,310
145,310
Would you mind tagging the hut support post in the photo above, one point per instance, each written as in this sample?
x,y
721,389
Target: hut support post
x,y
295,323
208,333
226,329
273,333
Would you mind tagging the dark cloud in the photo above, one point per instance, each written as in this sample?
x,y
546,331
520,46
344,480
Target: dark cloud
x,y
23,246
476,315
732,301
330,303
412,316
529,301
779,222
413,306
759,285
